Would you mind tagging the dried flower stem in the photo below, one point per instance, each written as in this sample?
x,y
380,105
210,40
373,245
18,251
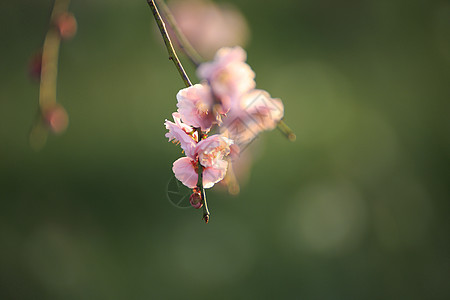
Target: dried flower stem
x,y
172,54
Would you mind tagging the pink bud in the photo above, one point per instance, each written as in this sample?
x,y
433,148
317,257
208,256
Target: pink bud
x,y
66,25
56,118
35,66
196,199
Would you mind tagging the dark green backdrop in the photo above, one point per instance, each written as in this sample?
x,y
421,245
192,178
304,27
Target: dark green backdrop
x,y
356,208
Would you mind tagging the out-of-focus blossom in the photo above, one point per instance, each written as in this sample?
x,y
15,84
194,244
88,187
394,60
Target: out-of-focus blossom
x,y
66,25
256,111
238,171
261,107
195,106
229,76
209,26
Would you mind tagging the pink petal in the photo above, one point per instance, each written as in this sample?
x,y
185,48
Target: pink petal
x,y
209,144
177,133
229,76
231,54
186,128
264,109
195,105
184,171
212,175
213,148
223,57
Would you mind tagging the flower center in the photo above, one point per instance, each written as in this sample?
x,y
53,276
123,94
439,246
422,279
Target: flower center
x,y
202,109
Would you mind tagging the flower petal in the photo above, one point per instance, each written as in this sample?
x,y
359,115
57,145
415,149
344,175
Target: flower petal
x,y
214,174
212,149
263,109
229,76
195,106
184,171
177,132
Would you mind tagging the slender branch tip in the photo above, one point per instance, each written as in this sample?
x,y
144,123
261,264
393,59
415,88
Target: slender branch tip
x,y
171,51
287,131
183,43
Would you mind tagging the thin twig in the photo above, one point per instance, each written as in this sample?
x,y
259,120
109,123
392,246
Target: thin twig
x,y
286,130
172,54
183,42
200,184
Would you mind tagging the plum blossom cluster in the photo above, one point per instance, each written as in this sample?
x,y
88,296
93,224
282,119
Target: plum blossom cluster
x,y
226,102
209,155
248,111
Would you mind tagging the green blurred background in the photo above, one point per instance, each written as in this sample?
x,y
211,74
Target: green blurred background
x,y
356,208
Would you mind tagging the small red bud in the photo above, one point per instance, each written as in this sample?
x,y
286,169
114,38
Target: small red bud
x,y
56,118
196,199
66,25
35,66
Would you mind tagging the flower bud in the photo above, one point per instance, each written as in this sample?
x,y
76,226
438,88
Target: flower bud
x,y
35,66
196,199
206,218
66,25
56,118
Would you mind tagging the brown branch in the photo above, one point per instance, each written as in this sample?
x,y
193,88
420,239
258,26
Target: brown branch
x,y
172,54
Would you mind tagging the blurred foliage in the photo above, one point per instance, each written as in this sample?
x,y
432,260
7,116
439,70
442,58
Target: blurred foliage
x,y
356,208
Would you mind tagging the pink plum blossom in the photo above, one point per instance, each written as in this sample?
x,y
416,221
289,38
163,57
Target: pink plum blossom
x,y
254,112
213,149
195,106
229,76
211,154
264,109
209,26
227,97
